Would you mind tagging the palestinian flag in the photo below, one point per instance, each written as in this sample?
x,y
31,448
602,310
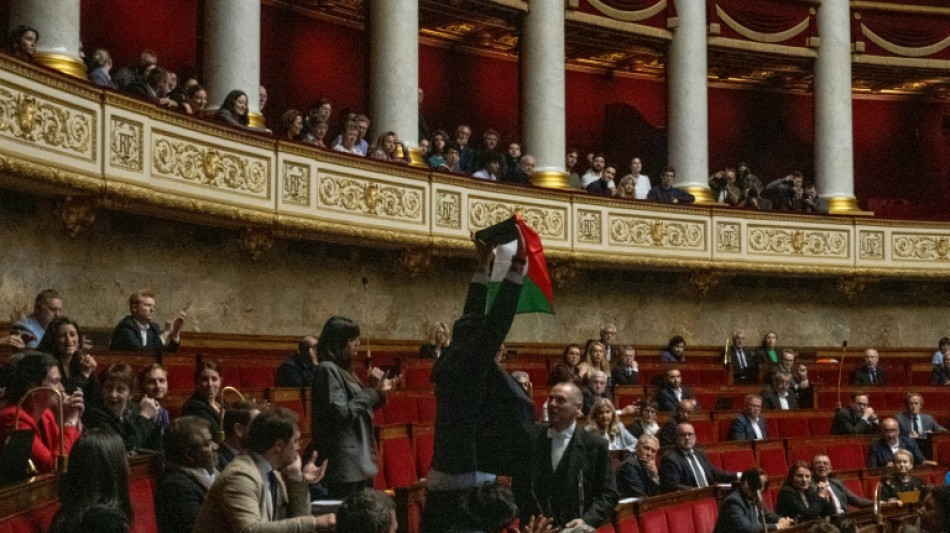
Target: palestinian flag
x,y
536,294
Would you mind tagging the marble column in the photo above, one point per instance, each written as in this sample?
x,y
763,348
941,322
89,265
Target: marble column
x,y
57,22
232,53
688,151
542,57
394,72
834,143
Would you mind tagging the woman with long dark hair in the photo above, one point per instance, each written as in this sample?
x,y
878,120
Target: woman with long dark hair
x,y
98,475
343,409
204,401
64,341
234,110
799,499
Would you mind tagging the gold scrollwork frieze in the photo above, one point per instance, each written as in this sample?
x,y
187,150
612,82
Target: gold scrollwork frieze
x,y
370,197
182,159
43,122
807,242
547,221
653,233
910,247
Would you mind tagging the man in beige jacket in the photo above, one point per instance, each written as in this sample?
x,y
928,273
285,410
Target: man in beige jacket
x,y
265,489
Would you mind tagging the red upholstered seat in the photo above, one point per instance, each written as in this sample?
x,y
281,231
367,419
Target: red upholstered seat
x,y
854,484
180,377
704,431
771,494
737,460
142,495
820,425
416,375
772,428
425,406
400,465
627,525
690,517
869,483
423,446
379,480
847,455
772,460
400,409
606,528
792,427
33,521
258,377
800,451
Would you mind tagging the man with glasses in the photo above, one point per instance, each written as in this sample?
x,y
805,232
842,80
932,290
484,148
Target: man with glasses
x,y
686,467
749,425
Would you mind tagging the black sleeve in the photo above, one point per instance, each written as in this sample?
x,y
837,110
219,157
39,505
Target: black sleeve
x,y
125,340
629,482
287,376
602,506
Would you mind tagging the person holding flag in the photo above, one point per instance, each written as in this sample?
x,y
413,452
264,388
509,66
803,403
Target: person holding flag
x,y
483,416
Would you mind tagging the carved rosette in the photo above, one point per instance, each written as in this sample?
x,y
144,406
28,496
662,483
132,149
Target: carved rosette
x,y
371,198
546,222
76,213
657,233
589,226
728,237
295,178
448,209
210,166
561,272
852,286
872,245
704,281
37,120
815,243
920,247
126,144
416,260
256,241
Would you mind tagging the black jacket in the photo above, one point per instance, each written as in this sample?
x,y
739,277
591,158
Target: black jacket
x,y
177,500
634,481
126,338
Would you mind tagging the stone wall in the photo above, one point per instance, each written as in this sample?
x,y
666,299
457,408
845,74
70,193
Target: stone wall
x,y
295,286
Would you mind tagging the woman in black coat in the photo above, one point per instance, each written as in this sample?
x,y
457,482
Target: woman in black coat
x,y
798,499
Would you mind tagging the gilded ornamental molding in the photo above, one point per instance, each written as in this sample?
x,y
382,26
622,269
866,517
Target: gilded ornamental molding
x,y
916,247
546,221
371,197
174,157
638,231
47,123
799,242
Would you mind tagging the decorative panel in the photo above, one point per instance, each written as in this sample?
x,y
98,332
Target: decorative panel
x,y
918,247
815,243
650,232
126,143
295,183
43,122
548,221
589,226
728,237
205,164
448,211
871,245
357,195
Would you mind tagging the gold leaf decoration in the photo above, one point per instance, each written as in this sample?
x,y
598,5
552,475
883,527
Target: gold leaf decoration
x,y
370,198
36,120
657,233
547,222
921,247
209,166
813,243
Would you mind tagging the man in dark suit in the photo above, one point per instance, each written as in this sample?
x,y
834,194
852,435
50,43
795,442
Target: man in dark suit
x,y
673,391
749,425
237,418
916,425
940,375
869,373
881,451
779,390
626,371
684,411
638,476
859,419
685,467
484,418
745,368
741,511
298,369
137,332
841,496
569,476
189,471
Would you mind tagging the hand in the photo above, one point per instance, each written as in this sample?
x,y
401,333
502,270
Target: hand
x,y
148,407
86,344
785,523
675,201
650,467
577,523
326,521
313,473
869,413
73,406
174,325
375,376
484,254
87,365
630,409
520,258
539,524
929,463
15,341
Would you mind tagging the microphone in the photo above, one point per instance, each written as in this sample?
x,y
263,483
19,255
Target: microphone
x,y
365,281
369,351
844,344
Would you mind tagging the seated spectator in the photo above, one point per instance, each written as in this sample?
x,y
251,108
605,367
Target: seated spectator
x,y
204,401
724,188
666,193
298,369
100,65
742,509
784,192
595,171
686,467
113,413
768,353
745,368
234,110
490,141
189,471
684,413
626,371
138,331
596,389
318,112
468,159
38,369
646,424
237,418
154,88
802,386
240,500
605,185
573,179
915,424
47,306
148,59
810,202
627,189
833,489
749,425
640,182
940,375
672,392
638,476
451,158
291,124
754,200
594,359
388,148
779,394
524,381
869,373
511,161
608,336
943,348
98,475
23,40
675,351
798,498
569,367
603,420
491,165
437,147
153,384
881,451
64,341
439,338
180,91
350,137
360,146
746,180
859,419
196,100
895,488
521,173
425,147
368,511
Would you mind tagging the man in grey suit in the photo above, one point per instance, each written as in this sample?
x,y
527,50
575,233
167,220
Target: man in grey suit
x,y
916,425
841,496
749,425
